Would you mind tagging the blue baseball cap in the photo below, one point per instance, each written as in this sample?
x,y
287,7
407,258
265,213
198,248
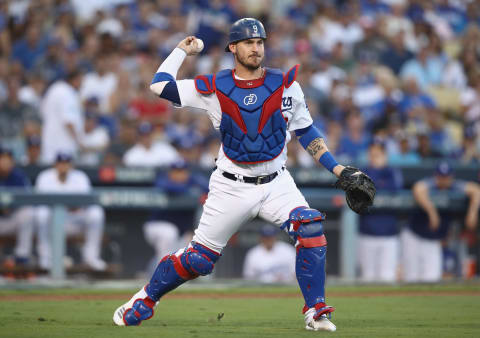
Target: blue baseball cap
x,y
179,164
268,231
63,157
444,169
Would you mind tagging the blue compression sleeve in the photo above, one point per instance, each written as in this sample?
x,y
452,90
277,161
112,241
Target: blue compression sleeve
x,y
306,136
170,92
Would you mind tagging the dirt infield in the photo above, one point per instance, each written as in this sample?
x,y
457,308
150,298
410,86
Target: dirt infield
x,y
223,295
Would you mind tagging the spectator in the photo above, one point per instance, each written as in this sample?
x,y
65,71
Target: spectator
x,y
271,261
214,20
428,226
33,153
15,118
470,150
31,93
424,148
29,49
62,116
147,152
19,220
170,229
414,101
62,179
101,83
396,55
355,141
424,68
470,104
378,241
94,141
405,155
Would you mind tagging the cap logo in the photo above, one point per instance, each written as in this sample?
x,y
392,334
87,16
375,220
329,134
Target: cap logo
x,y
250,99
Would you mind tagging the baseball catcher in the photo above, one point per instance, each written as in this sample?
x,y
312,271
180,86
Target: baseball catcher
x,y
257,110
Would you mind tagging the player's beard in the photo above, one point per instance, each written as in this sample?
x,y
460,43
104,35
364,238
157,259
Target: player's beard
x,y
249,62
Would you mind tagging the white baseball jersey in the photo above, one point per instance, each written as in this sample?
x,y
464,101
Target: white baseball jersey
x,y
76,182
270,266
159,154
60,106
231,203
294,110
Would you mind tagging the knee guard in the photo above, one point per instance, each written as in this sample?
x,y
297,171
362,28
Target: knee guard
x,y
305,227
175,269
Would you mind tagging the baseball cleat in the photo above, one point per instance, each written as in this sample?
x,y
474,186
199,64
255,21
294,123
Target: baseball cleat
x,y
140,307
321,324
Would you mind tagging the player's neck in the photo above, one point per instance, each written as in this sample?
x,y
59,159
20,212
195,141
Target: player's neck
x,y
248,74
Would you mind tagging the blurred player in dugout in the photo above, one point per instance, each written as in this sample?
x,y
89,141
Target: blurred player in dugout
x,y
18,221
89,220
428,226
378,242
271,261
168,230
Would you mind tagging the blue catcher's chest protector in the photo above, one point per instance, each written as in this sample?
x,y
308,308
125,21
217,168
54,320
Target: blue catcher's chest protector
x,y
253,128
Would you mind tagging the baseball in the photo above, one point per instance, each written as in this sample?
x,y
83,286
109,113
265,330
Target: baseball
x,y
200,45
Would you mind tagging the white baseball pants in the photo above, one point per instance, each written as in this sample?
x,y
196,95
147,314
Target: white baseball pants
x,y
21,223
421,258
232,203
88,220
378,258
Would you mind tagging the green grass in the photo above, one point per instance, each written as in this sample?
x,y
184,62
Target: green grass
x,y
454,311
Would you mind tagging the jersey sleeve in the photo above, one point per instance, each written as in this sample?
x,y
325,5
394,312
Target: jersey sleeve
x,y
190,97
294,104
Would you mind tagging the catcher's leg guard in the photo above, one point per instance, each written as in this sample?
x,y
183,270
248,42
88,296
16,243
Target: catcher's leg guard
x,y
172,271
180,267
305,227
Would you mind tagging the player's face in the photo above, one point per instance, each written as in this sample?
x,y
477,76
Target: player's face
x,y
6,163
249,53
444,181
377,156
63,167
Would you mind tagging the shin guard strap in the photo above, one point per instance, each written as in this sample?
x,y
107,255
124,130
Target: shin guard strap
x,y
312,242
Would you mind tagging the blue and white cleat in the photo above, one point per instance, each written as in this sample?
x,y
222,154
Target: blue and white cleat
x,y
320,324
139,308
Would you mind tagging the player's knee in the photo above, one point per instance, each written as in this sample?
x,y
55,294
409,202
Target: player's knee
x,y
42,215
95,214
199,260
161,232
25,215
306,228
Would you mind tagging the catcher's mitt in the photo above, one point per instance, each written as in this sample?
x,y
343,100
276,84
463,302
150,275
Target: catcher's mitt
x,y
359,189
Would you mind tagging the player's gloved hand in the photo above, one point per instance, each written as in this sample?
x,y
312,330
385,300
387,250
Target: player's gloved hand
x,y
359,189
189,45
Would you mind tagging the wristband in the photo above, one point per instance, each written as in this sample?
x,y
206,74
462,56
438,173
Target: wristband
x,y
328,161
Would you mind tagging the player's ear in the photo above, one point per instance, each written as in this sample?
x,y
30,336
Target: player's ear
x,y
232,47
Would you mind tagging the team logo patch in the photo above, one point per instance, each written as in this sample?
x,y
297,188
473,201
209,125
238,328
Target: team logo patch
x,y
250,99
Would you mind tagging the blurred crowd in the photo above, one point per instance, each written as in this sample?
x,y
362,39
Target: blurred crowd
x,y
406,72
